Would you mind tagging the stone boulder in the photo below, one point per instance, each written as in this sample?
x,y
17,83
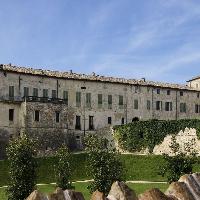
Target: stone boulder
x,y
180,191
57,195
73,195
155,194
98,195
36,195
120,191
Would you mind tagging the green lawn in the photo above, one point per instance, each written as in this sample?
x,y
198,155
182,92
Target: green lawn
x,y
82,187
136,168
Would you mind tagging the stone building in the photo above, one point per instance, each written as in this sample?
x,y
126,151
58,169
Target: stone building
x,y
51,102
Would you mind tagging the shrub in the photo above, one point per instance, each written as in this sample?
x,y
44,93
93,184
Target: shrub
x,y
179,163
104,164
63,168
22,168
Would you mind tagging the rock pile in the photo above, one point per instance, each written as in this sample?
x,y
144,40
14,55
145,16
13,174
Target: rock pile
x,y
187,188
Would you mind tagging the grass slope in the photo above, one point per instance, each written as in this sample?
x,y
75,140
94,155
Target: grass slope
x,y
136,168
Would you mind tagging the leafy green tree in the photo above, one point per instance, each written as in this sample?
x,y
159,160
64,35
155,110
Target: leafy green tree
x,y
104,164
63,168
180,162
22,168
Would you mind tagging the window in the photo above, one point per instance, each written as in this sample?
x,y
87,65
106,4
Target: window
x,y
65,96
78,99
78,122
57,117
11,91
122,121
88,100
148,104
168,92
181,93
137,89
168,106
91,122
100,100
26,91
11,115
183,107
45,93
109,120
53,94
148,89
158,105
37,116
35,92
136,104
109,101
198,95
197,85
158,91
121,101
197,108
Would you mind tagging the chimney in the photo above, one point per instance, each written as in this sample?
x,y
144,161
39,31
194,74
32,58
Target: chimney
x,y
70,71
93,74
143,79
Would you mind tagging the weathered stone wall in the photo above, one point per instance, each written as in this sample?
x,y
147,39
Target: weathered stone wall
x,y
186,139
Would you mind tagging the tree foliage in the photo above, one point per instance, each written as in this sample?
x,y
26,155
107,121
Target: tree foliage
x,y
180,163
104,164
22,168
63,168
146,134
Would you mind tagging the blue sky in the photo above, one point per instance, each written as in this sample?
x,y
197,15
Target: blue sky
x,y
156,39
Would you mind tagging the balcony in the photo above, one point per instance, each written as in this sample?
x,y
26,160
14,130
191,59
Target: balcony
x,y
44,100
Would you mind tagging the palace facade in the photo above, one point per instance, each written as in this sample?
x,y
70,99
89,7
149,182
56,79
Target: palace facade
x,y
42,101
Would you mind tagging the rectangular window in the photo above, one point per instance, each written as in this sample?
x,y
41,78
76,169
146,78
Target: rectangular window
x,y
148,104
88,100
158,105
136,104
35,92
168,106
168,92
109,120
181,93
183,107
45,93
11,91
158,91
78,99
53,94
65,96
91,122
57,117
37,116
137,89
121,101
78,122
198,95
100,100
109,101
122,122
11,115
26,91
197,108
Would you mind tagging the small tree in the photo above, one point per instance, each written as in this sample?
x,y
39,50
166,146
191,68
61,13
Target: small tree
x,y
63,168
103,164
180,163
22,168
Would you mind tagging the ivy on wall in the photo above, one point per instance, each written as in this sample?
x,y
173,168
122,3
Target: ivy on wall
x,y
146,134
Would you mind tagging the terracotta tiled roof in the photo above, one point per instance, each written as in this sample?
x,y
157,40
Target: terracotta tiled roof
x,y
93,77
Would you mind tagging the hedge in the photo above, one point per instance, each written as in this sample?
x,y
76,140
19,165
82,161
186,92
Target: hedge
x,y
140,135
